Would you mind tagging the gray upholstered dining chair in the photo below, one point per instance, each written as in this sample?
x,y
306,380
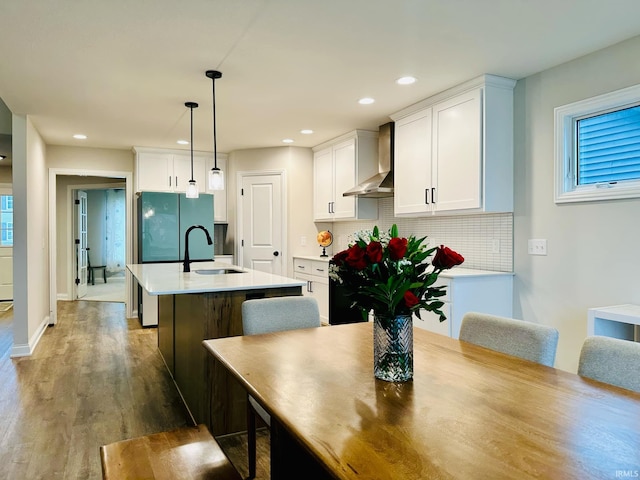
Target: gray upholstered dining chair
x,y
612,361
527,340
267,315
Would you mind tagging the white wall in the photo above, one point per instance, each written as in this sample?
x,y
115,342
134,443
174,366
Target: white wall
x,y
5,119
6,175
31,245
59,156
298,164
593,249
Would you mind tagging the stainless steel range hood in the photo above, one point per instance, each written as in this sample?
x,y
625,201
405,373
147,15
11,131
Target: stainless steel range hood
x,y
381,184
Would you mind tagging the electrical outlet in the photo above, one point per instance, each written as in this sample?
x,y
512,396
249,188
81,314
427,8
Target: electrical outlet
x,y
495,245
303,241
537,246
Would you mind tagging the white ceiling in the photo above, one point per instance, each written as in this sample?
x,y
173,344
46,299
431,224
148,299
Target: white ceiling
x,y
120,71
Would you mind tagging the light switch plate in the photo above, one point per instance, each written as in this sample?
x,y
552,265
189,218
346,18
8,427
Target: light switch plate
x,y
537,246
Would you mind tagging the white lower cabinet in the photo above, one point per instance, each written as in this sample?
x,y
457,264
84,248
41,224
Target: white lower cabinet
x,y
316,274
469,291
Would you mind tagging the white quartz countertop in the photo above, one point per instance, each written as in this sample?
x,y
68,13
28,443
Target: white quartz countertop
x,y
457,272
317,258
168,278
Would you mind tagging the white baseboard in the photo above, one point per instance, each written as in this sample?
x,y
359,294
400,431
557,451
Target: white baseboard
x,y
63,296
26,350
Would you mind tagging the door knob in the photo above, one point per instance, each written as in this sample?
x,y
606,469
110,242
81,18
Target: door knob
x,y
276,253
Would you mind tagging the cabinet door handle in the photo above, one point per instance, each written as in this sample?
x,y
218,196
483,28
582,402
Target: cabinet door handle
x,y
328,207
433,195
426,196
176,181
169,180
309,286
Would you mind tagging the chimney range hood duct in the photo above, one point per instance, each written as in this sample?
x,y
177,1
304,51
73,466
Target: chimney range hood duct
x,y
381,184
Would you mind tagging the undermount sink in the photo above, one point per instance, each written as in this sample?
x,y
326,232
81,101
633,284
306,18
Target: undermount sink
x,y
216,271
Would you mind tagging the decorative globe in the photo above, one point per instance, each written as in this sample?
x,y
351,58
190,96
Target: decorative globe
x,y
325,238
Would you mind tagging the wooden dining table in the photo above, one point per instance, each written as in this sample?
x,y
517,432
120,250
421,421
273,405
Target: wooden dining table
x,y
468,413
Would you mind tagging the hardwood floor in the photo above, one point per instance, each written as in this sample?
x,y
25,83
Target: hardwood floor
x,y
95,378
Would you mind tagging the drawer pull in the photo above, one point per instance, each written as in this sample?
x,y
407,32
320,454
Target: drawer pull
x,y
320,269
301,267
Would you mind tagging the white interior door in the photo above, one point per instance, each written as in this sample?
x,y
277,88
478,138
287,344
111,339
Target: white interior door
x,y
262,234
81,243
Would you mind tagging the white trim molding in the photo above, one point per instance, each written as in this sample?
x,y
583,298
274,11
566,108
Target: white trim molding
x,y
26,350
128,180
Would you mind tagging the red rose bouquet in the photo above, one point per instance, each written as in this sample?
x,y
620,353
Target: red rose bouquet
x,y
392,275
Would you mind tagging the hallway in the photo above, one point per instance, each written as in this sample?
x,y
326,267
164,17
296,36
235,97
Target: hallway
x,y
95,378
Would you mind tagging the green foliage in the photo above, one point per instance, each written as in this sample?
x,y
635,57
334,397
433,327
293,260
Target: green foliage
x,y
390,285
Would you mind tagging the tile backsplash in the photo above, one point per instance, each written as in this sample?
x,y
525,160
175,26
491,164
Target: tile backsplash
x,y
485,241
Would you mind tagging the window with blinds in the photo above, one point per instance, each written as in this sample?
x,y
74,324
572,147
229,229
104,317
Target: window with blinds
x,y
6,220
598,148
609,147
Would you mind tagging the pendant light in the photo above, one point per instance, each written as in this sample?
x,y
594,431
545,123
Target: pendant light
x,y
216,176
192,188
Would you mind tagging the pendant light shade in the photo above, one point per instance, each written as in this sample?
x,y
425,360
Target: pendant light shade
x,y
216,176
192,188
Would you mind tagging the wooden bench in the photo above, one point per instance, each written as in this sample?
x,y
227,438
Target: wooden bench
x,y
186,453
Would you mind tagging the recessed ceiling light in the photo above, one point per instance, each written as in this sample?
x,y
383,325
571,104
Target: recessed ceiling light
x,y
306,131
287,140
366,101
182,142
406,80
80,136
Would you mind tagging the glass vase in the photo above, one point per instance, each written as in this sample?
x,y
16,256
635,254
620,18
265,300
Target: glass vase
x,y
393,348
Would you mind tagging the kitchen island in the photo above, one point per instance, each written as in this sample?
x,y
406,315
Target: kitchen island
x,y
203,304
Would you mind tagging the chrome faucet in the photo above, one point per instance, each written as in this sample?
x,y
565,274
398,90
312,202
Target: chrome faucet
x,y
186,244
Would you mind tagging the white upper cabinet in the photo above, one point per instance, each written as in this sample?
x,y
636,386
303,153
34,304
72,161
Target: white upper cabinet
x,y
454,151
412,164
168,171
322,184
457,152
219,196
154,172
338,166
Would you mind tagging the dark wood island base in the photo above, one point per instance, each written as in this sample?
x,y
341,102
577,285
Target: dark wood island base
x,y
210,393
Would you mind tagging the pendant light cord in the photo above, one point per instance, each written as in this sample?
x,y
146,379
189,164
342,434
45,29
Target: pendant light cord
x,y
213,74
191,143
191,106
215,142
